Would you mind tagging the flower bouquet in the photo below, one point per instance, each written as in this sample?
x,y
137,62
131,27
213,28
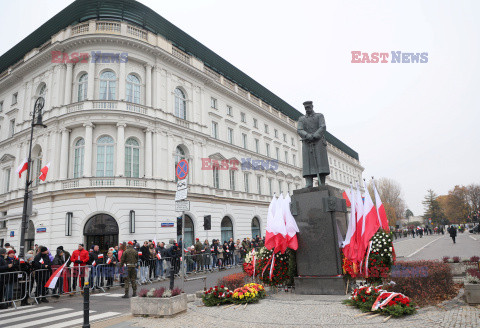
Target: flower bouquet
x,y
216,296
245,294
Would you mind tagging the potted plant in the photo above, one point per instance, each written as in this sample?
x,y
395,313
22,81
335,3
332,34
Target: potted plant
x,y
159,302
457,267
472,286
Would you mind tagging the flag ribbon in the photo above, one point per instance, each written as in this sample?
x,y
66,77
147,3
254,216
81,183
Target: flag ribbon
x,y
366,259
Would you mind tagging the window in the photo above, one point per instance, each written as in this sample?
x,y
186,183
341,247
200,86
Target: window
x,y
256,231
229,111
270,189
279,186
294,159
277,152
213,103
12,128
284,137
266,128
1,106
288,187
230,135
180,104
245,181
226,228
36,166
216,178
293,142
108,84
179,155
79,151
244,140
267,150
275,132
133,89
215,130
132,158
257,146
243,117
43,90
82,87
105,157
286,156
232,179
255,123
14,98
7,179
259,184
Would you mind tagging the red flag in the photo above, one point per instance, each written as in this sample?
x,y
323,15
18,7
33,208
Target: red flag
x,y
370,218
382,215
140,253
52,282
159,256
345,196
44,171
359,247
22,167
109,260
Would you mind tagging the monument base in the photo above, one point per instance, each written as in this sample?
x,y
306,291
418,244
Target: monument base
x,y
320,285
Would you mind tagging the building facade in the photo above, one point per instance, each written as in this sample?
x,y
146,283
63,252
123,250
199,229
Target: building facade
x,y
125,102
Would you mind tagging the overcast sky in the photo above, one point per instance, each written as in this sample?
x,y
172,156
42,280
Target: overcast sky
x,y
415,123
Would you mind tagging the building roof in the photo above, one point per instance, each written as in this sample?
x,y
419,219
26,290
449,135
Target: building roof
x,y
138,14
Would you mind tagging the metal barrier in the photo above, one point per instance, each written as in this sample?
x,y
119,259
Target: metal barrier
x,y
13,287
107,276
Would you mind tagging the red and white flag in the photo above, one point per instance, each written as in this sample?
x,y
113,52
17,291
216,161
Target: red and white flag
x,y
22,261
94,263
350,244
109,260
44,171
22,167
345,196
370,219
41,261
290,224
52,282
360,250
382,215
100,256
140,253
276,234
159,256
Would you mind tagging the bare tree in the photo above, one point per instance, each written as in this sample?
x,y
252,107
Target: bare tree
x,y
390,193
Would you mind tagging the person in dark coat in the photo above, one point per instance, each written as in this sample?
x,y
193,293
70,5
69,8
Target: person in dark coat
x,y
3,268
43,270
144,261
453,233
12,278
26,267
58,261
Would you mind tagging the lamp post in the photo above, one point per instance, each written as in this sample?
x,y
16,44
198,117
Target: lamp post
x,y
37,113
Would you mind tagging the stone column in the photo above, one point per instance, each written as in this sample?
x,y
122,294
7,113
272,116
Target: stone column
x,y
121,82
120,149
56,90
49,101
155,87
148,153
64,154
91,80
87,162
68,84
156,154
170,161
148,85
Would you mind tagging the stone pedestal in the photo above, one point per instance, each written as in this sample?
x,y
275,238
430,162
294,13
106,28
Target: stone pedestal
x,y
321,217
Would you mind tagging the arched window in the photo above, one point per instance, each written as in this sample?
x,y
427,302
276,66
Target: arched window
x,y
36,164
42,92
82,87
179,155
133,89
79,151
256,228
105,157
180,104
189,232
227,229
132,158
108,85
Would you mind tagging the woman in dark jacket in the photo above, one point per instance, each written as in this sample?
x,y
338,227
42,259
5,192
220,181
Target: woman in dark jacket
x,y
43,270
26,267
12,278
58,261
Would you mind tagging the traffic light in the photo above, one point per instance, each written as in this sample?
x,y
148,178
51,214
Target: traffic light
x,y
179,226
207,222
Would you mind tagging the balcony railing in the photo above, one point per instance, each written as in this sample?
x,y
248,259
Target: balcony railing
x,y
182,122
70,184
136,108
102,182
104,105
136,183
136,32
79,29
181,55
108,27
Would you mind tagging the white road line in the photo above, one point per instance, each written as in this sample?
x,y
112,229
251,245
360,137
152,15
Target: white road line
x,y
472,237
23,311
108,295
11,310
418,250
34,316
80,321
49,319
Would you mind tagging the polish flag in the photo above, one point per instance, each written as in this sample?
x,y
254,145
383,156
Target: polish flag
x,y
370,221
349,245
140,253
154,242
109,260
22,261
94,263
345,196
100,256
382,215
290,224
269,237
41,261
52,282
159,256
22,167
360,250
44,171
279,230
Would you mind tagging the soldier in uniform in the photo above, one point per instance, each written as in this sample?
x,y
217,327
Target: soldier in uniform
x,y
130,258
311,128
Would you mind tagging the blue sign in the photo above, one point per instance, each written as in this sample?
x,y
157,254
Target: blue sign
x,y
12,233
41,230
182,169
167,224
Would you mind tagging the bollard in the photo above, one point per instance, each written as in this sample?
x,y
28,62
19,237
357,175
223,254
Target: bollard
x,y
86,305
172,277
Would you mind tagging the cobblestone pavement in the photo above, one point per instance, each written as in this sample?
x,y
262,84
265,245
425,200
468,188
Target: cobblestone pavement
x,y
291,310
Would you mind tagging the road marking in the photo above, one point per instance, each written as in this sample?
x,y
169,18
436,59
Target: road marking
x,y
80,321
472,237
108,295
24,310
34,316
49,319
418,250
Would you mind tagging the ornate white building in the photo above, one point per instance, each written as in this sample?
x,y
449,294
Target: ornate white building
x,y
118,121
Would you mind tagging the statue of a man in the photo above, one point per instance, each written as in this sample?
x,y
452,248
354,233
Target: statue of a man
x,y
312,128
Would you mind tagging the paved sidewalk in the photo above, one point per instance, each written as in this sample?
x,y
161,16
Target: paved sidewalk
x,y
291,310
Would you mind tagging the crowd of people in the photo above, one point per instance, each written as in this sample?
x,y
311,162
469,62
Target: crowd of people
x,y
153,262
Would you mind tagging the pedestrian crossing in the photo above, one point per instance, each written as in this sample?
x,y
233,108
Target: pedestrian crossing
x,y
48,316
107,295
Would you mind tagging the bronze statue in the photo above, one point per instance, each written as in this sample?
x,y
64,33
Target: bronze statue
x,y
312,128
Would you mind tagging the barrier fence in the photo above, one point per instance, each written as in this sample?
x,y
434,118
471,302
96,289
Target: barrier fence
x,y
13,287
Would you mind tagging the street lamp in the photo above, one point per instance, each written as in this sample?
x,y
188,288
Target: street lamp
x,y
37,113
